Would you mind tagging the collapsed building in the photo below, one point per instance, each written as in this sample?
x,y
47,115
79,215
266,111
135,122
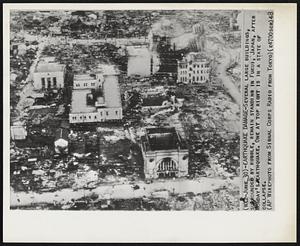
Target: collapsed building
x,y
49,74
155,102
193,68
96,97
165,153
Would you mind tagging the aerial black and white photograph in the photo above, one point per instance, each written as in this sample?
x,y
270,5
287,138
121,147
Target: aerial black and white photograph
x,y
125,109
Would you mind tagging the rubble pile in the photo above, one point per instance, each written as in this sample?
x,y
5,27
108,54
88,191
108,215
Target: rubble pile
x,y
19,70
87,57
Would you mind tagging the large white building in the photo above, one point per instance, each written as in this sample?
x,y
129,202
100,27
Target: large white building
x,y
165,153
49,74
194,68
96,98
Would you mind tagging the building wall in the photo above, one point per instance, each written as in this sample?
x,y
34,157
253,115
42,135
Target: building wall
x,y
48,76
195,72
153,158
102,115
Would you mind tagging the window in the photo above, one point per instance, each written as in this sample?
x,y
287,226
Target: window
x,y
95,117
80,117
54,82
116,112
92,84
43,83
49,82
89,117
106,113
101,113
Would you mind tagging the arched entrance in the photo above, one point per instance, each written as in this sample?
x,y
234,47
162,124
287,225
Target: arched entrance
x,y
167,168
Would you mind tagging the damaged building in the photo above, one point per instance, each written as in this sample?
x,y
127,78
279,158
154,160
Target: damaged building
x,y
49,74
165,153
96,98
193,68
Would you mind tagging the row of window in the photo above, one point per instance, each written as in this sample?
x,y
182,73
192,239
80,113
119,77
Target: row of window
x,y
202,65
49,84
90,117
195,65
85,84
197,78
197,71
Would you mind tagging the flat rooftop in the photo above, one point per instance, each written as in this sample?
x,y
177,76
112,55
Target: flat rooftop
x,y
162,139
79,102
43,67
110,96
84,77
111,91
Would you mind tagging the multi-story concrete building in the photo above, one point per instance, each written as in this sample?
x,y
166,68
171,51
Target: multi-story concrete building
x,y
49,74
165,153
194,68
96,98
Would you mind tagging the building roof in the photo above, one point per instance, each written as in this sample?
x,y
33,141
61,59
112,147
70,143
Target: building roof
x,y
162,139
111,90
78,77
195,57
109,95
18,131
43,67
62,133
79,101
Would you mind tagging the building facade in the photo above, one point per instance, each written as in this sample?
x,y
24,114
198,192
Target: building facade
x,y
49,74
96,98
193,69
165,153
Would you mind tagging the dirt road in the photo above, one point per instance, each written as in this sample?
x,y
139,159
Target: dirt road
x,y
227,82
122,191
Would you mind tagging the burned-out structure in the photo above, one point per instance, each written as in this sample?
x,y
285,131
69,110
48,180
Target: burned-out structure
x,y
165,153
